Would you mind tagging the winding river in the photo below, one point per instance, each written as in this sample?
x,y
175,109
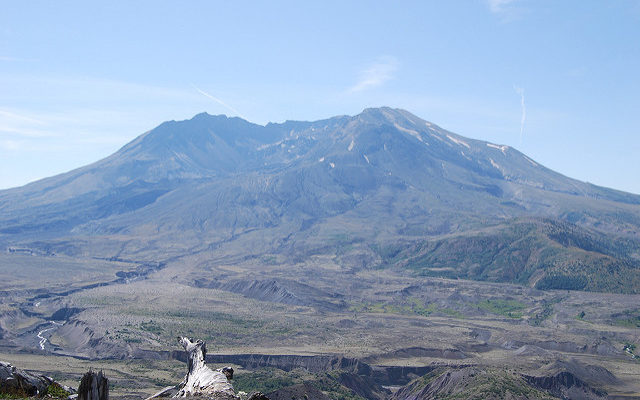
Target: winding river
x,y
43,339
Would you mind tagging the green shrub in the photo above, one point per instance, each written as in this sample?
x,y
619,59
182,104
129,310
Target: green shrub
x,y
55,390
562,282
508,308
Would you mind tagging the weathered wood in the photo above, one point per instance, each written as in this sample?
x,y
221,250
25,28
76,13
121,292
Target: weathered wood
x,y
200,379
93,387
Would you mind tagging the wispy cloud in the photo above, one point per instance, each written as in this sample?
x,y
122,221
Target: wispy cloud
x,y
20,124
33,129
15,59
89,119
13,116
523,112
217,100
506,10
376,74
499,6
10,145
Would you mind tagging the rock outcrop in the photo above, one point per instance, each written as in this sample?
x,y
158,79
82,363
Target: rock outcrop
x,y
16,382
470,383
567,386
497,383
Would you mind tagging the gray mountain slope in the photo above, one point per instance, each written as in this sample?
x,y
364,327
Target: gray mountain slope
x,y
384,182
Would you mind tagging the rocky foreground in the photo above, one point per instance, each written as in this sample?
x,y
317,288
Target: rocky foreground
x,y
16,383
443,382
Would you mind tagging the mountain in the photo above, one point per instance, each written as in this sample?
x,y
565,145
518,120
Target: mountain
x,y
382,189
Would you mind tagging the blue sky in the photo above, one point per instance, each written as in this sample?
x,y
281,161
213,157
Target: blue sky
x,y
559,80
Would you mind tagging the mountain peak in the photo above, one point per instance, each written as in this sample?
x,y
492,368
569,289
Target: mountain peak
x,y
369,114
382,112
381,115
378,176
205,116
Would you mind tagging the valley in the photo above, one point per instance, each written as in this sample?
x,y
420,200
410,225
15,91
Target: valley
x,y
359,252
380,317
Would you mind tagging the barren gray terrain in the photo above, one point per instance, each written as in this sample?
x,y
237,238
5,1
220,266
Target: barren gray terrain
x,y
380,246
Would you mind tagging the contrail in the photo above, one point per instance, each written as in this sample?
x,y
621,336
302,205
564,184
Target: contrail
x,y
217,100
520,91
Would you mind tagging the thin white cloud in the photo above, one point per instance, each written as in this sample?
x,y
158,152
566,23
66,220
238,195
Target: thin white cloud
x,y
15,59
13,116
68,127
20,124
217,100
376,74
108,93
499,6
10,145
506,10
523,112
89,119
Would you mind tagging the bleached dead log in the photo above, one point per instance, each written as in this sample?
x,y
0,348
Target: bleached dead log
x,y
200,379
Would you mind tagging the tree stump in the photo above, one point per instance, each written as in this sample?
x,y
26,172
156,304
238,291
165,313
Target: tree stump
x,y
93,387
200,379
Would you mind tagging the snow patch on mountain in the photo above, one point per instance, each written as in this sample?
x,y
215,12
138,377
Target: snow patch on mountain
x,y
495,165
501,148
411,132
458,141
531,161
